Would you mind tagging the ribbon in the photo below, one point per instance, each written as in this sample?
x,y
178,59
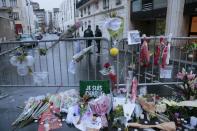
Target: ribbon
x,y
134,90
113,79
158,50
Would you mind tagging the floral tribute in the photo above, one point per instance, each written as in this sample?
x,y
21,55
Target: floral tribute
x,y
189,86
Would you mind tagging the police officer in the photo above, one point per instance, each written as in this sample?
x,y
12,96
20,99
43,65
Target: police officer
x,y
88,33
98,33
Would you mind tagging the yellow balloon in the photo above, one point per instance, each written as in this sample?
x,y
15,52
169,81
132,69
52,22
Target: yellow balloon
x,y
114,51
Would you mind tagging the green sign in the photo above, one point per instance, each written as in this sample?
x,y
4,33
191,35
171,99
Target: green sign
x,y
94,88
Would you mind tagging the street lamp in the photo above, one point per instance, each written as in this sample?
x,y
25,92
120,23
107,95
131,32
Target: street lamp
x,y
27,4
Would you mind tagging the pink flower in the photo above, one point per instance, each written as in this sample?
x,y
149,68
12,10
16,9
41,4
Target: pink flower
x,y
100,106
78,24
181,75
191,76
122,90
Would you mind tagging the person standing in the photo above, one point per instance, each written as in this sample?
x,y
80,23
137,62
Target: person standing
x,y
88,33
98,33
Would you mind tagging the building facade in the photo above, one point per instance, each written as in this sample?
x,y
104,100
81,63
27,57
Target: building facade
x,y
35,5
7,31
40,14
22,14
67,14
94,12
162,17
56,19
28,17
49,21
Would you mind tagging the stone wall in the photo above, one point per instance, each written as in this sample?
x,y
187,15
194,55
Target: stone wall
x,y
7,31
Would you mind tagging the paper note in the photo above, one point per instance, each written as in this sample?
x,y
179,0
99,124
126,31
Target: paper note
x,y
166,72
128,109
134,37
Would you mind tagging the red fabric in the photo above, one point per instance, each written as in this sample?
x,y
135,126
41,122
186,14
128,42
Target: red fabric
x,y
113,79
49,117
157,55
164,56
144,54
158,51
18,28
134,89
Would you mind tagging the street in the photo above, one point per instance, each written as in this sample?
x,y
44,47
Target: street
x,y
56,64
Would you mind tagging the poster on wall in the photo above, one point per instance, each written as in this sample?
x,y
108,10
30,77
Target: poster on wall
x,y
134,37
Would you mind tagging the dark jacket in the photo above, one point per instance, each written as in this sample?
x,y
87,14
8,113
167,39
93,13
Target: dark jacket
x,y
88,33
98,33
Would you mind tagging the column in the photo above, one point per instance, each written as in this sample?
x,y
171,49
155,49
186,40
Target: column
x,y
175,17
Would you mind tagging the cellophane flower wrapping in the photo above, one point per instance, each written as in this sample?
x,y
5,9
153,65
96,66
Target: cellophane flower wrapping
x,y
68,98
101,105
55,100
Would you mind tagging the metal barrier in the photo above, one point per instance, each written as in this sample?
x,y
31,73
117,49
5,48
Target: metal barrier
x,y
55,63
180,57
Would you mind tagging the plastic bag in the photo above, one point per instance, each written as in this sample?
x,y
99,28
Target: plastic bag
x,y
77,47
14,61
22,70
72,67
68,99
101,105
29,60
39,77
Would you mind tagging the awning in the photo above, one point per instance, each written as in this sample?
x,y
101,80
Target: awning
x,y
18,28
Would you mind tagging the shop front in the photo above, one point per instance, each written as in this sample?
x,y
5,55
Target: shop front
x,y
191,12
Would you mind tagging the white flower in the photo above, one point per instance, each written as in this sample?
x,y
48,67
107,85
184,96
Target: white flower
x,y
113,24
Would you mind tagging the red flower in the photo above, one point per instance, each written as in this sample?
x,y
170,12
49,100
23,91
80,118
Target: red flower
x,y
107,65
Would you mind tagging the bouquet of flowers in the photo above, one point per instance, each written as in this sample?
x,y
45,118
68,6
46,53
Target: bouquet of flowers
x,y
189,86
32,111
22,61
68,98
101,106
110,72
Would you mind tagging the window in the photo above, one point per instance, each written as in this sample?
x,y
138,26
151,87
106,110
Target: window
x,y
13,3
118,2
89,22
84,11
105,4
85,24
81,13
89,10
15,15
97,5
3,3
193,28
